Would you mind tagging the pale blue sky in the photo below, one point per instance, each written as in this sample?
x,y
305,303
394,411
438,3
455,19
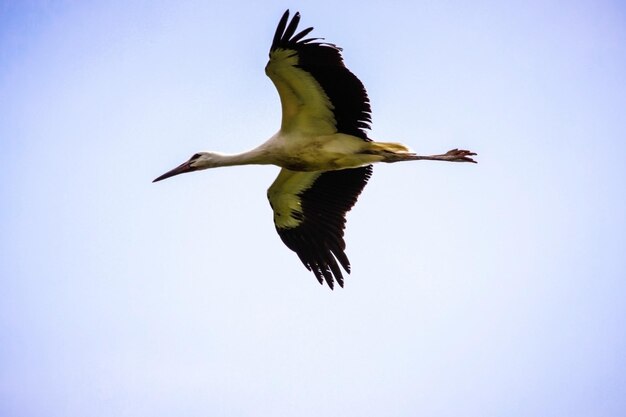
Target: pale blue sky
x,y
490,290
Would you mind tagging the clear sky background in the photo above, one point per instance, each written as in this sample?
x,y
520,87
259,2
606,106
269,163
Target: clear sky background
x,y
496,289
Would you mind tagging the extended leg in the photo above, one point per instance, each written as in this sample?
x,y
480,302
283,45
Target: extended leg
x,y
454,155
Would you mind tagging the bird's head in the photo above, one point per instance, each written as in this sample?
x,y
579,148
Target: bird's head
x,y
198,161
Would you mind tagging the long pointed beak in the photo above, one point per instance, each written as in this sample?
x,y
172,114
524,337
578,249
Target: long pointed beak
x,y
181,169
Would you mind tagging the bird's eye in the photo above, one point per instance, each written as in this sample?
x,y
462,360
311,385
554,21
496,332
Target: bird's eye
x,y
195,156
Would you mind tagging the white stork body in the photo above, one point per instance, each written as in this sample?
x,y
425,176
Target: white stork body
x,y
322,148
300,151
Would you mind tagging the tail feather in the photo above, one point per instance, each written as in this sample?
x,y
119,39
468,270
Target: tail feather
x,y
389,147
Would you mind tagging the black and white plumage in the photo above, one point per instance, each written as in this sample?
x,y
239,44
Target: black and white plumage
x,y
322,206
350,104
309,214
322,148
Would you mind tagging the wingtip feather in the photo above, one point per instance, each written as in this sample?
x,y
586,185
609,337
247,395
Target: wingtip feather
x,y
280,29
291,28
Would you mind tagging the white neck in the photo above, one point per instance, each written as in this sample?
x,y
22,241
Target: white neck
x,y
255,156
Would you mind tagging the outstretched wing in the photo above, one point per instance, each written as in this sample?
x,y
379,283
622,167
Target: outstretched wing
x,y
310,216
318,93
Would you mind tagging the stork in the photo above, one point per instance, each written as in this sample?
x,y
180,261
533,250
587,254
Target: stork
x,y
322,149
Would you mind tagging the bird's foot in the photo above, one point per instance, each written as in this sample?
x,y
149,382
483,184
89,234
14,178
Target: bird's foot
x,y
459,155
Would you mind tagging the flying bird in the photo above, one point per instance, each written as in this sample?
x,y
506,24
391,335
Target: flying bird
x,y
322,149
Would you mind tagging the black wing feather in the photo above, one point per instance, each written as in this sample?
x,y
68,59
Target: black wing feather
x,y
324,62
293,25
318,239
281,27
